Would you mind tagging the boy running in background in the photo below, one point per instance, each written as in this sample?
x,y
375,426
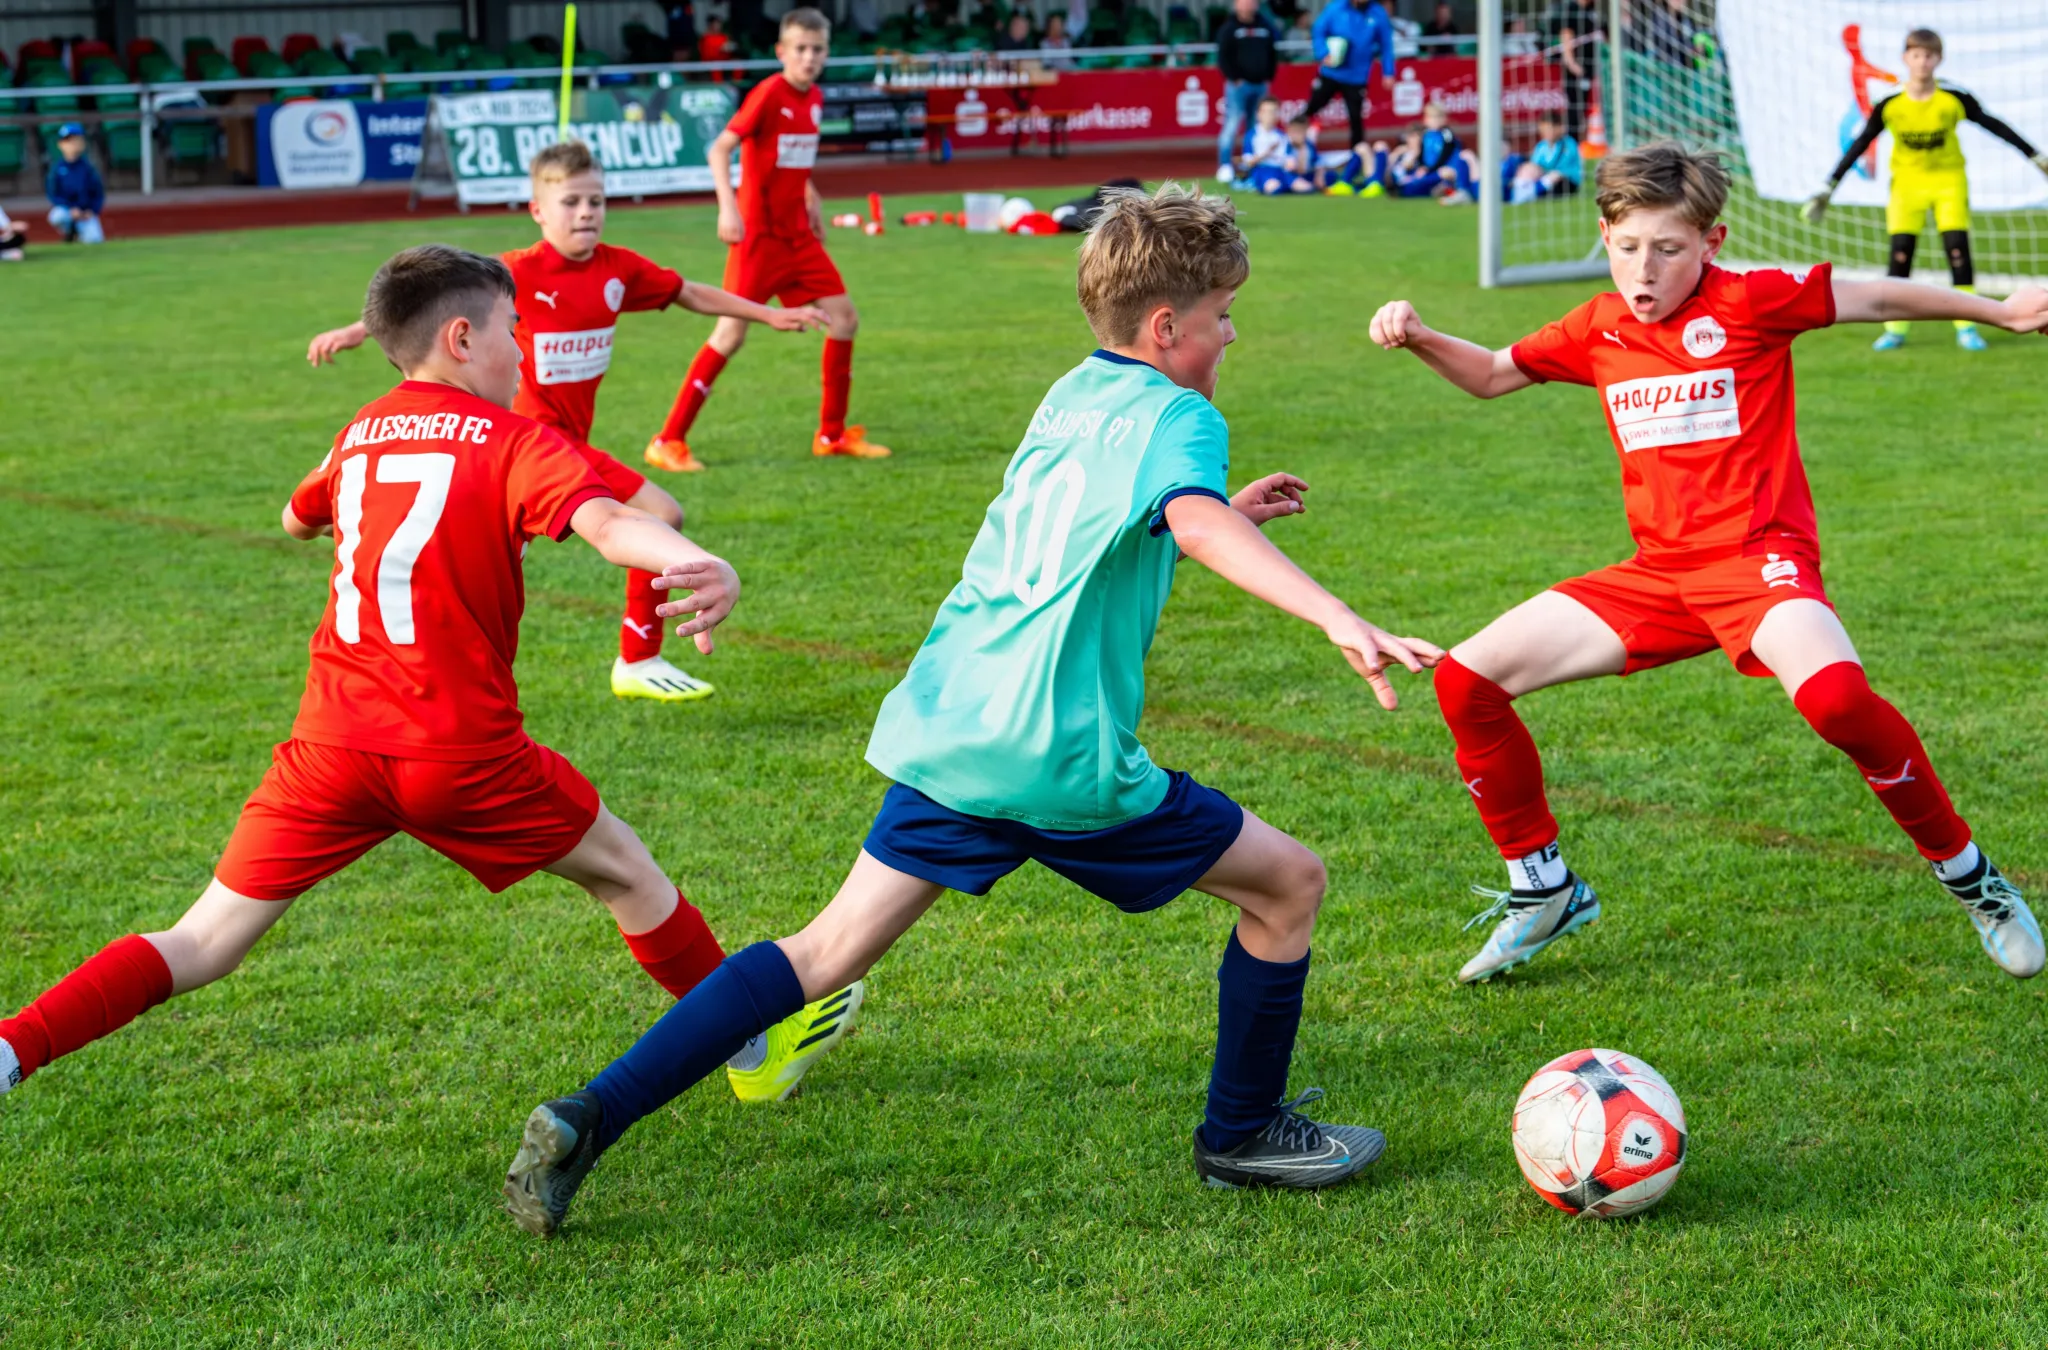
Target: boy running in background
x,y
1013,735
1694,365
410,721
572,288
776,232
1927,175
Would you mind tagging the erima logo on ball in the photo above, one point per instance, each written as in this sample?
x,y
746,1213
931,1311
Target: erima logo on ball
x,y
1640,1143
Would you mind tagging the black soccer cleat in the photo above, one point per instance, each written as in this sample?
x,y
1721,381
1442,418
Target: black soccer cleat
x,y
556,1152
1293,1151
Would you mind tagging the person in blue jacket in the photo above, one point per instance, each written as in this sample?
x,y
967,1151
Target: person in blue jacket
x,y
1349,37
77,196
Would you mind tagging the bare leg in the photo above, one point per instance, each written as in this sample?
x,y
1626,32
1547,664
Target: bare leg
x,y
214,935
842,320
728,335
1277,884
876,904
1547,639
612,864
1799,639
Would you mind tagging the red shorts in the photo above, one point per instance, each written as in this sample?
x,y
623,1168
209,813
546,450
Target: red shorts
x,y
621,478
1664,616
321,807
794,271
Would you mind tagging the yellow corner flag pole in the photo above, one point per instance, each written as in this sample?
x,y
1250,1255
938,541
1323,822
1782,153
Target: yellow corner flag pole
x,y
568,60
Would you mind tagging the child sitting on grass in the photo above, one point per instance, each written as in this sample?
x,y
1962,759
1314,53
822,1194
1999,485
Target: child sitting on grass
x,y
1264,163
1553,167
1304,161
12,237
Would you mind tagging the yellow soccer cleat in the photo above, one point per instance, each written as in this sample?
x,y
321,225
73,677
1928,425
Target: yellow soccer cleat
x,y
854,444
769,1067
674,456
657,678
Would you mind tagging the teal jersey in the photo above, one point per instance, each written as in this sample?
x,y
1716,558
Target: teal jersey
x,y
1023,703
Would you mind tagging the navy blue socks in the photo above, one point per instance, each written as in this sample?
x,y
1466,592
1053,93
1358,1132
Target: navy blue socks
x,y
1258,1012
750,991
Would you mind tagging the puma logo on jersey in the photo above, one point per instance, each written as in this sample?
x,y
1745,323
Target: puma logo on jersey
x,y
547,296
1615,338
641,630
1904,775
1780,572
790,115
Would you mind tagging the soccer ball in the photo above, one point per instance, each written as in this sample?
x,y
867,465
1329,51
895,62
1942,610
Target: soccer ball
x,y
1014,210
1599,1134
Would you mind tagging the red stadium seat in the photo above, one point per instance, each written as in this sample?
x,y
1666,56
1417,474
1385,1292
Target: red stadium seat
x,y
244,48
140,48
39,50
84,51
297,45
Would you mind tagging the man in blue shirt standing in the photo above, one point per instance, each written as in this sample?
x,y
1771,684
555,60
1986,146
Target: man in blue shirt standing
x,y
77,196
1245,56
1349,36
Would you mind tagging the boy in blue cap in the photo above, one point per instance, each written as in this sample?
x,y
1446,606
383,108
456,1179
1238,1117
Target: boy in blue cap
x,y
1013,736
77,196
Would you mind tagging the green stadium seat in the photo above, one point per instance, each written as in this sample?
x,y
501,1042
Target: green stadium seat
x,y
190,144
399,40
643,45
371,61
13,151
124,145
448,39
156,68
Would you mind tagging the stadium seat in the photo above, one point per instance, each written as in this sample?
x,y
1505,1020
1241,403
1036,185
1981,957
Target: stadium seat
x,y
399,41
85,53
140,48
448,39
483,58
190,144
246,49
197,50
547,43
38,49
13,152
156,68
371,61
296,45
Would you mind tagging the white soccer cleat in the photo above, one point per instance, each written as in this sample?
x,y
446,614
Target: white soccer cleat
x,y
10,1068
1526,927
1225,174
657,679
2005,925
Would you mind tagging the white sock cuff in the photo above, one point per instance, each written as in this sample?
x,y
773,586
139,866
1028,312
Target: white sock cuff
x,y
1960,866
1543,870
10,1067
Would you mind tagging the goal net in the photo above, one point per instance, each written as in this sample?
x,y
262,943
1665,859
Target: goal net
x,y
1782,90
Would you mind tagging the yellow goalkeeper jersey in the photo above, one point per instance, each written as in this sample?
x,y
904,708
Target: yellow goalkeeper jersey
x,y
1923,133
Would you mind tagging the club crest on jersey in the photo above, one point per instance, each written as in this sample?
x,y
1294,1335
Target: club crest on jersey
x,y
1704,337
1674,409
614,294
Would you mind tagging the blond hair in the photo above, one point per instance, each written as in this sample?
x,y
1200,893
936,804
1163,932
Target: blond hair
x,y
1659,175
810,20
1926,39
1169,248
564,159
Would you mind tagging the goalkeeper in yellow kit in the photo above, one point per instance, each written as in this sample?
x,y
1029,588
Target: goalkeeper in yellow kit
x,y
1927,173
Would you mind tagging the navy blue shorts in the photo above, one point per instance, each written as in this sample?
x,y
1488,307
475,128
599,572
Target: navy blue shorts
x,y
1138,865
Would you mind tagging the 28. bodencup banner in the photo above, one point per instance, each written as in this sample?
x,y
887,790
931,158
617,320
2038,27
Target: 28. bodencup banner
x,y
649,139
1805,76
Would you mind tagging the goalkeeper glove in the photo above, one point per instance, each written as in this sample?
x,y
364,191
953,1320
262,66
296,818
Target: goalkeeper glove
x,y
2041,161
1816,205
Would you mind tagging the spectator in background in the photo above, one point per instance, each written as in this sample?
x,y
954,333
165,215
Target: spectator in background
x,y
1246,60
1016,37
12,239
1667,33
1442,25
1263,163
1077,20
682,30
714,45
1056,40
1520,39
1574,28
77,196
1350,36
1553,169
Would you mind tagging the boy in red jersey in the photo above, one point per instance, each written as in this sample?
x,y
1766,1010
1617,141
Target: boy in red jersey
x,y
571,290
1695,368
410,721
776,230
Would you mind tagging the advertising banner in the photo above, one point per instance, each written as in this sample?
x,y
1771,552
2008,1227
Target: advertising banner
x,y
1806,76
329,143
649,139
1168,103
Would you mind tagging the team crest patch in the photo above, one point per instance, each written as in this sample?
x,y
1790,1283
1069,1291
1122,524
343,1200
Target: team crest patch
x,y
1704,337
817,115
615,295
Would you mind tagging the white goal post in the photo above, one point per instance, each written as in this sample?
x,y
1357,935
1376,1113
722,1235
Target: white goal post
x,y
1781,90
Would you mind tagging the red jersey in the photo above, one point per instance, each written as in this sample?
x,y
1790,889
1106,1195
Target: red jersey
x,y
1701,409
433,494
567,311
778,131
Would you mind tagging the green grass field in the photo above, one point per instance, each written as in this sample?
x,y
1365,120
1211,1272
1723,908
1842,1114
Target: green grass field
x,y
309,1152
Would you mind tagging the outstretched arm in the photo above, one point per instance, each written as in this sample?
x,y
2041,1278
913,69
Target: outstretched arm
x,y
701,299
1974,111
2025,311
334,341
1225,541
1865,138
625,537
1473,368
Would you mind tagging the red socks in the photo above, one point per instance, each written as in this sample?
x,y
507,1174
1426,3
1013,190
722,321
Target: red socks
x,y
125,979
1840,704
640,631
1497,759
696,388
679,951
838,384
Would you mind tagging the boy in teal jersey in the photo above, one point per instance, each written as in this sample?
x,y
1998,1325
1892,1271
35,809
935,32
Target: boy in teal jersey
x,y
1013,735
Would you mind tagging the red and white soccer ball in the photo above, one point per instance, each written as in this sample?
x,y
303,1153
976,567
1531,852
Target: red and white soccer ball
x,y
1599,1134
